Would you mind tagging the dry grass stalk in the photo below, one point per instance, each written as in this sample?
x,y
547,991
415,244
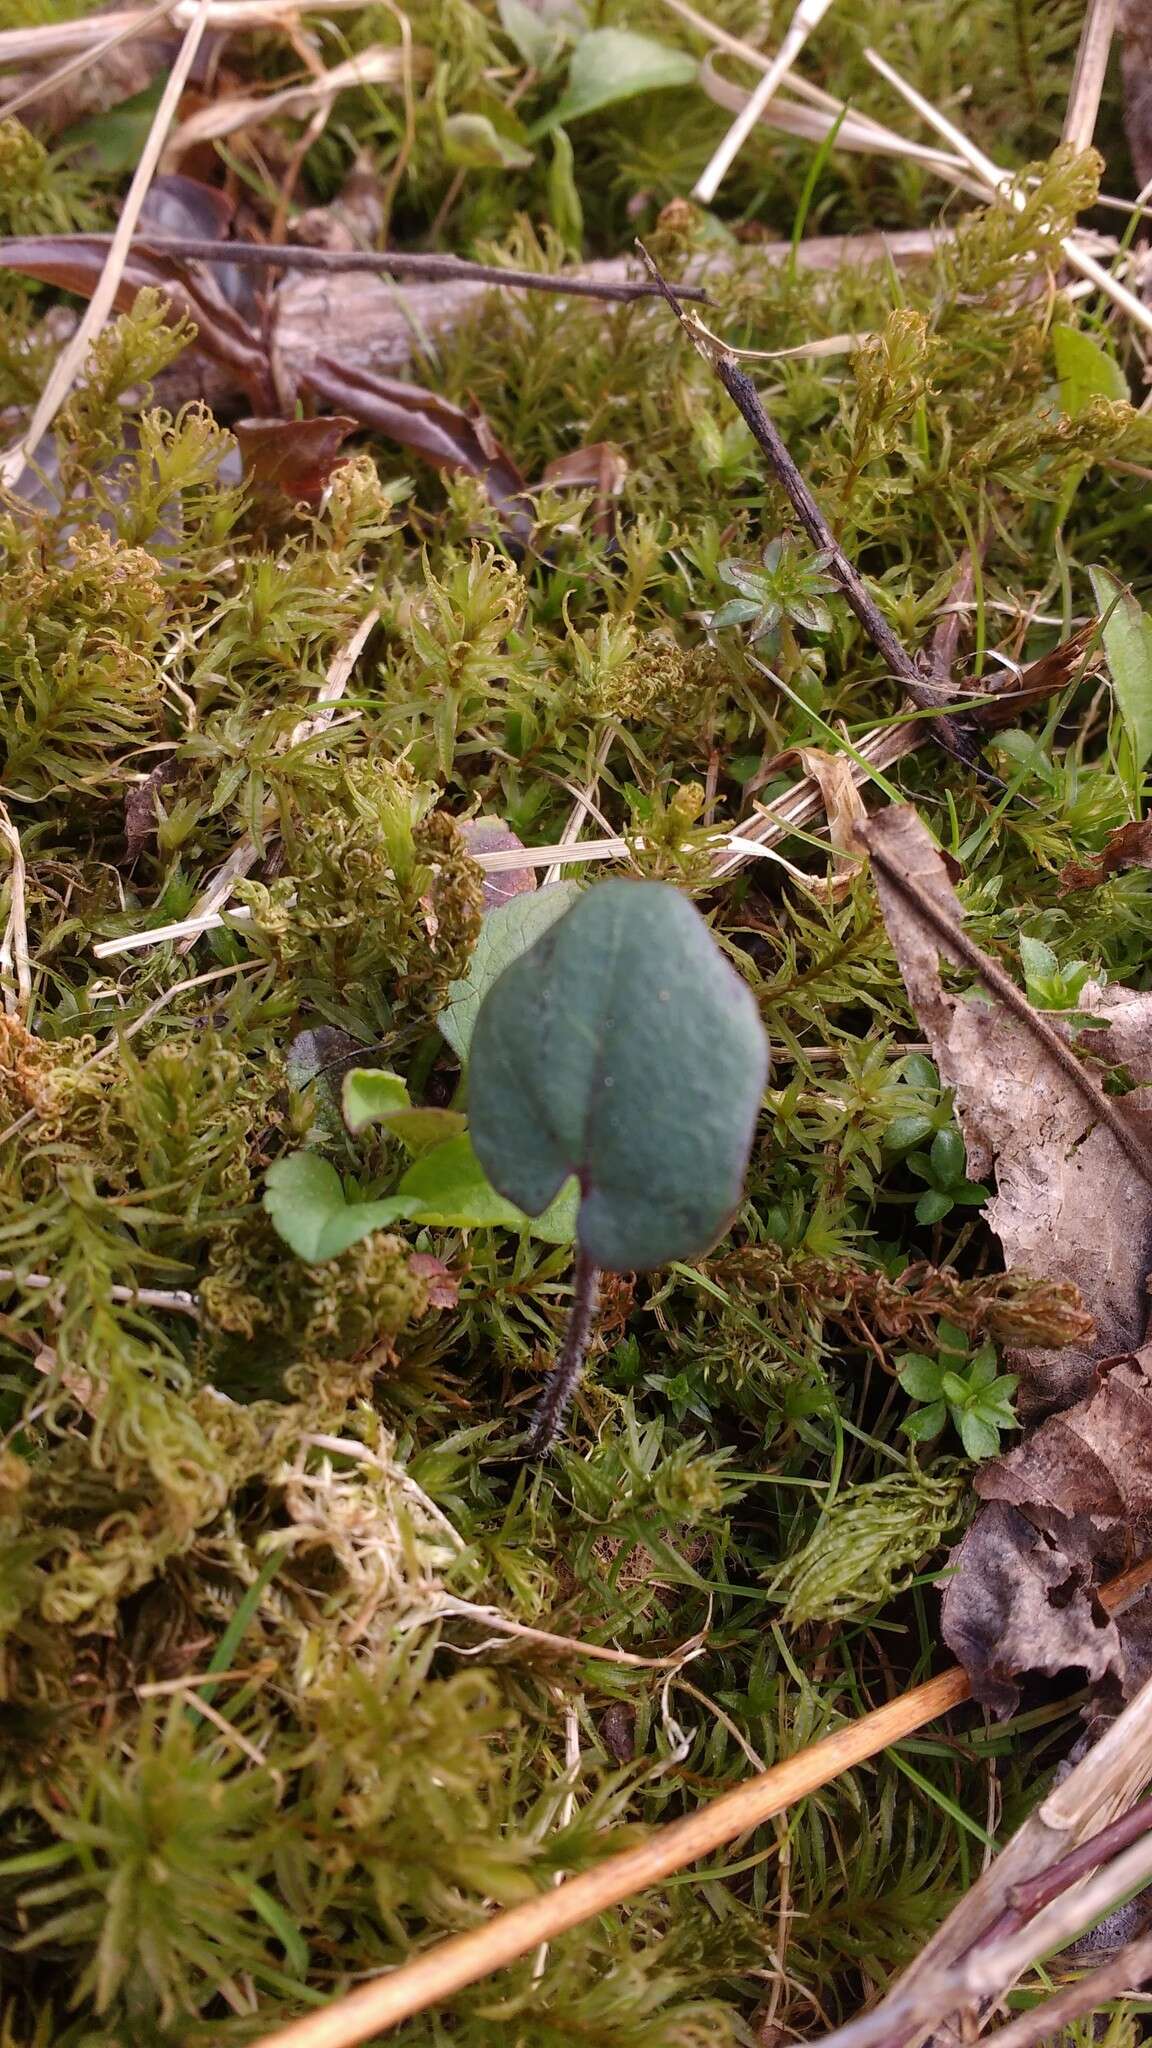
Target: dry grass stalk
x,y
15,966
81,62
175,1299
807,17
1002,182
1088,78
381,65
245,853
50,39
71,359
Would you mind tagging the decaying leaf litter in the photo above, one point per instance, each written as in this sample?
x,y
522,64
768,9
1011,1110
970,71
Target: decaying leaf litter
x,y
288,1624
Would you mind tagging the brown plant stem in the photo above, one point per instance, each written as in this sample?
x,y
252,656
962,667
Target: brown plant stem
x,y
564,1377
745,397
953,939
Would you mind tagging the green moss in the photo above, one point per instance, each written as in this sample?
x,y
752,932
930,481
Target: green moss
x,y
279,1506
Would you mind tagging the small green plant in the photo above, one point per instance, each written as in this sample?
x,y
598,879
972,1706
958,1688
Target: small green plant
x,y
962,1386
789,588
623,1049
944,1166
1050,986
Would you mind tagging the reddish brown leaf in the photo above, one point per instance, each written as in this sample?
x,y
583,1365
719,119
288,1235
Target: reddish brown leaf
x,y
490,835
442,1283
601,467
291,459
431,426
1071,1507
1130,846
76,265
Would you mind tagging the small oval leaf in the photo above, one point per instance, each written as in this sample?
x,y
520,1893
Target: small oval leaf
x,y
622,1048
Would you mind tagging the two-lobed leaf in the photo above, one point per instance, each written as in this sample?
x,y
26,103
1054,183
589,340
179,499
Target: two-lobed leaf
x,y
622,1048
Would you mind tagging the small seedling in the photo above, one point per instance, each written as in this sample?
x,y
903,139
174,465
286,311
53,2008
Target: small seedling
x,y
944,1167
789,587
966,1387
623,1048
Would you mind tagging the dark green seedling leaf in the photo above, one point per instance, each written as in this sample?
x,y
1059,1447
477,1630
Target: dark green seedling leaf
x,y
305,1198
505,933
1127,634
623,1048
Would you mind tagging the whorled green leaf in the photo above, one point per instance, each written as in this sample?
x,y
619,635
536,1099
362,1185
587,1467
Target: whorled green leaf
x,y
505,934
623,1048
1085,369
371,1095
613,64
445,1187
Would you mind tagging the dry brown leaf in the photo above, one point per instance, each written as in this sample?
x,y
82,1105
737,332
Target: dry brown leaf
x,y
601,467
290,462
1073,1503
491,835
1136,73
431,426
380,65
1130,846
1069,1204
845,807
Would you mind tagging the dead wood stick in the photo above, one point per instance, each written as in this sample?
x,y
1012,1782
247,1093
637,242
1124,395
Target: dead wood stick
x,y
1124,1973
384,262
745,397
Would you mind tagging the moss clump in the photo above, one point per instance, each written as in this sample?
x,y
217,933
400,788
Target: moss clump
x,y
279,1492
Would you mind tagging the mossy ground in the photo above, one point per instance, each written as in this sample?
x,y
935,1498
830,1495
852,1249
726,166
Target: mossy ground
x,y
300,1488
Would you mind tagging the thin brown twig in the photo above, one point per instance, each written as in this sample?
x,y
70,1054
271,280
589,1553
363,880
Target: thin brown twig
x,y
431,268
745,397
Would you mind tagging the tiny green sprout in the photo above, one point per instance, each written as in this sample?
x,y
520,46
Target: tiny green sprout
x,y
622,1048
966,1387
788,588
944,1166
1050,986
